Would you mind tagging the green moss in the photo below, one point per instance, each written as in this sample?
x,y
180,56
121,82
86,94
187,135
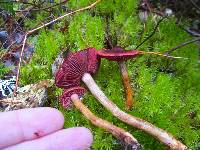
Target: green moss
x,y
47,47
4,69
167,91
86,31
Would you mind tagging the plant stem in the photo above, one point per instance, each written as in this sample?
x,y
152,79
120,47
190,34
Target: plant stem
x,y
152,33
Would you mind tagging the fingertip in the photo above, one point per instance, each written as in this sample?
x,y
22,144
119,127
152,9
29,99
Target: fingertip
x,y
76,138
84,134
54,113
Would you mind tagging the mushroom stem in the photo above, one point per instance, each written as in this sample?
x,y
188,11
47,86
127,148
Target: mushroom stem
x,y
158,133
127,85
119,133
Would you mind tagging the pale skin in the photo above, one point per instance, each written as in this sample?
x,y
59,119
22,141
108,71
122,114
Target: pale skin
x,y
41,129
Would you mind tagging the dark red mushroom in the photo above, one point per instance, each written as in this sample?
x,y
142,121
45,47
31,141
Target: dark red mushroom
x,y
118,54
78,66
74,66
71,71
69,76
86,61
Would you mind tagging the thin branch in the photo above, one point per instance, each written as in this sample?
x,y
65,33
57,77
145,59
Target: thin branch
x,y
119,133
19,65
44,7
152,33
192,32
67,14
158,133
195,5
44,25
181,45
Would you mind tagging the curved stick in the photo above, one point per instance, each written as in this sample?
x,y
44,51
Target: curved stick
x,y
119,133
158,133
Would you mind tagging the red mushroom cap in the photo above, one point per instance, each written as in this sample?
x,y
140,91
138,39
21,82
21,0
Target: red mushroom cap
x,y
75,65
118,54
71,71
65,98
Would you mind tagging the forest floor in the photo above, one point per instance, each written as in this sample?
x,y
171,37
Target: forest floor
x,y
166,90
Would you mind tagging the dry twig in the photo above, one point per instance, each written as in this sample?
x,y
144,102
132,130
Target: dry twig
x,y
182,45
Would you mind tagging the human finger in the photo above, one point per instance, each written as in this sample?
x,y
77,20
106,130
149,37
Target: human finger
x,y
27,124
67,139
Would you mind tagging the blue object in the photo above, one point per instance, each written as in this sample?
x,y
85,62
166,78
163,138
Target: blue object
x,y
4,38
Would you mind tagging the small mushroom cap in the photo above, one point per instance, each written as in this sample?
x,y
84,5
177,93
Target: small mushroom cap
x,y
65,98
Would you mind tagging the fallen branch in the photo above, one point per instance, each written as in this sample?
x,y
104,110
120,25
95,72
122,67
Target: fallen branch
x,y
158,133
119,133
44,25
181,45
195,5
